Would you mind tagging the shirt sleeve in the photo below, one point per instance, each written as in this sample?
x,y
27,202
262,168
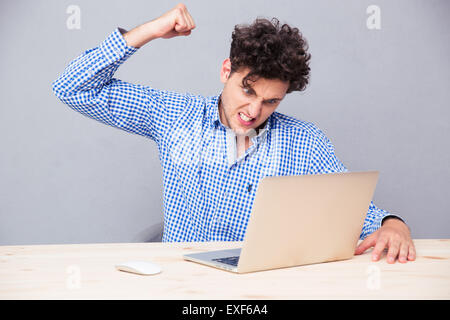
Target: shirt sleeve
x,y
88,87
324,160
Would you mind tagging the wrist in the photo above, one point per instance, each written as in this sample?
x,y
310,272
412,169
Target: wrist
x,y
394,222
391,218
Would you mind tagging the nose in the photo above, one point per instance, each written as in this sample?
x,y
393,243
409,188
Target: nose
x,y
255,108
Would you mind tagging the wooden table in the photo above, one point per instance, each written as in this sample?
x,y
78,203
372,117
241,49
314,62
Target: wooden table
x,y
86,271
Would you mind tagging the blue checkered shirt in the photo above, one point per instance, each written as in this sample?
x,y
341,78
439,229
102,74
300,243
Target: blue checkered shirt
x,y
208,191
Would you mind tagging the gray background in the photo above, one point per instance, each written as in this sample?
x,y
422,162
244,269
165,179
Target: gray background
x,y
381,96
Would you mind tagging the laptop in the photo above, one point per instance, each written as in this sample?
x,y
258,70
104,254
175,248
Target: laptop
x,y
299,220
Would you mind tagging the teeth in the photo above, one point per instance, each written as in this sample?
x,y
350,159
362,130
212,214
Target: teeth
x,y
244,117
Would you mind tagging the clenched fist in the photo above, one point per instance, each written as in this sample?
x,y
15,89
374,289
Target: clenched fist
x,y
176,22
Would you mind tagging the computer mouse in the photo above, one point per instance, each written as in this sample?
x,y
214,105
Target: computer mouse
x,y
139,267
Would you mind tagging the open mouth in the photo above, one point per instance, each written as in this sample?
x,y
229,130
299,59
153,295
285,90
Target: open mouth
x,y
244,119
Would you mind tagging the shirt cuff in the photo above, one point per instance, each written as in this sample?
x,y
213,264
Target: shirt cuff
x,y
115,48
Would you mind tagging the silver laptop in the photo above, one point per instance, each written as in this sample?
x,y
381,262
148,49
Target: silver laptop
x,y
299,220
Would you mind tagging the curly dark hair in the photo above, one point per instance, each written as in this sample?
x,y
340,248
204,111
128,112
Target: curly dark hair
x,y
270,51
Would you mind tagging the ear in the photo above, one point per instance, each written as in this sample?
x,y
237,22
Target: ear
x,y
225,70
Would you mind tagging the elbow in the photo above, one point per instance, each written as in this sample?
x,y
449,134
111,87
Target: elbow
x,y
57,88
60,90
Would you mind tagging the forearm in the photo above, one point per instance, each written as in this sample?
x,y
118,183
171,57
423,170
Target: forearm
x,y
140,35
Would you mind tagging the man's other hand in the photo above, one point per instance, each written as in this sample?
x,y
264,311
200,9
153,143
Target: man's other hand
x,y
394,235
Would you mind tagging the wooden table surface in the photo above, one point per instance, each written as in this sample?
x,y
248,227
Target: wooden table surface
x,y
86,271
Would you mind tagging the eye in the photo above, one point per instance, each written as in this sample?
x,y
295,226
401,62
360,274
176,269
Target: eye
x,y
247,91
273,101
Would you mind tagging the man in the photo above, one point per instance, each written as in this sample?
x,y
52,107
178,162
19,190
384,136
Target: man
x,y
215,150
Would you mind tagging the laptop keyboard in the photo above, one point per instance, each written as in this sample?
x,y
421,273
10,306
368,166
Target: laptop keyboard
x,y
232,261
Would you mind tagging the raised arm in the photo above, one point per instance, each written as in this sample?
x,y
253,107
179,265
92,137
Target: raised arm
x,y
87,84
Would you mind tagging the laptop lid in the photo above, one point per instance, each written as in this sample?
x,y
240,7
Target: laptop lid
x,y
298,220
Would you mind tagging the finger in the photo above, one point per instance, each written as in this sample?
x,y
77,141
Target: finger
x,y
181,23
191,20
188,22
403,252
367,243
379,247
394,248
181,26
186,33
412,252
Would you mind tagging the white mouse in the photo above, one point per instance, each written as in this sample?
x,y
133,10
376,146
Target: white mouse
x,y
139,267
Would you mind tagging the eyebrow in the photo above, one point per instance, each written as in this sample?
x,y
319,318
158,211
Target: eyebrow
x,y
253,91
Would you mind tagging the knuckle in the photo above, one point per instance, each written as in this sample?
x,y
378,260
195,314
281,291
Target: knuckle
x,y
393,251
383,240
179,12
378,250
397,237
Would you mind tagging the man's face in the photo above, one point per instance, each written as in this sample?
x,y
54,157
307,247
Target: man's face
x,y
243,109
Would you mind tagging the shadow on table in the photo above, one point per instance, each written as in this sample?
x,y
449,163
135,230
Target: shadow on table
x,y
152,233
